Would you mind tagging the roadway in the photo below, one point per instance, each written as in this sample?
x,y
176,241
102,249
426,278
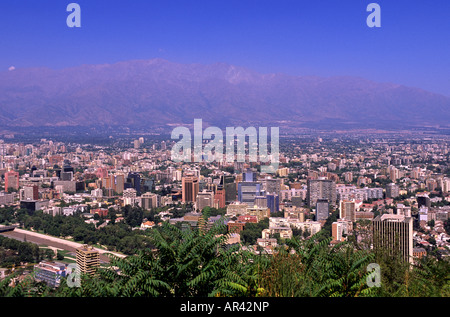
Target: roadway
x,y
43,239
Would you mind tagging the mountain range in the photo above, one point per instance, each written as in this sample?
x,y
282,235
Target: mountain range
x,y
157,92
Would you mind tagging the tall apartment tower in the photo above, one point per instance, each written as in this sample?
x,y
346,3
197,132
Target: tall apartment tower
x,y
393,173
219,197
347,210
273,185
321,188
11,180
348,177
190,188
119,181
88,259
114,182
227,182
273,202
392,190
393,234
322,209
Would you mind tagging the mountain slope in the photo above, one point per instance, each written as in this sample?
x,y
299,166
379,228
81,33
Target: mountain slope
x,y
157,92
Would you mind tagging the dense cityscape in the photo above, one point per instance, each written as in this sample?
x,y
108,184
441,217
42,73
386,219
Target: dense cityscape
x,y
384,195
224,156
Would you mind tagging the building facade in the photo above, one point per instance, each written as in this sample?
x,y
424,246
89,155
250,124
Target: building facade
x,y
11,181
321,189
322,209
88,260
190,188
50,273
393,234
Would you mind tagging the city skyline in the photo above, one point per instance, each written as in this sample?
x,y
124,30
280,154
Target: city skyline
x,y
329,193
105,192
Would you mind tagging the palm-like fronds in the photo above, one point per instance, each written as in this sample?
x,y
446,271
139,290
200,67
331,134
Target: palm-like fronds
x,y
181,263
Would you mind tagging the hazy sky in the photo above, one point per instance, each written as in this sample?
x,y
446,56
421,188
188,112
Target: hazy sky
x,y
315,37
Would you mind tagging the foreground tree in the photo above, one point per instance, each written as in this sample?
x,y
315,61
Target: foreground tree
x,y
429,277
311,268
345,272
180,263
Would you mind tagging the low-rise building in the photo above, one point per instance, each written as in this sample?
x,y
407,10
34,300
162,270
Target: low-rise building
x,y
50,273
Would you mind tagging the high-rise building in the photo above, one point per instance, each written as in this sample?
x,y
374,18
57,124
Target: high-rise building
x,y
134,181
374,192
129,197
247,192
283,172
228,184
148,185
149,201
403,210
177,175
219,197
322,209
88,259
297,201
321,189
423,200
393,173
347,210
415,173
341,229
29,193
261,201
236,209
11,181
205,199
97,193
273,185
249,176
431,184
392,190
190,188
273,203
67,168
115,182
119,183
423,214
446,185
393,234
31,205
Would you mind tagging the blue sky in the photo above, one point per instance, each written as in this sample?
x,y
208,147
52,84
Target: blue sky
x,y
316,37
